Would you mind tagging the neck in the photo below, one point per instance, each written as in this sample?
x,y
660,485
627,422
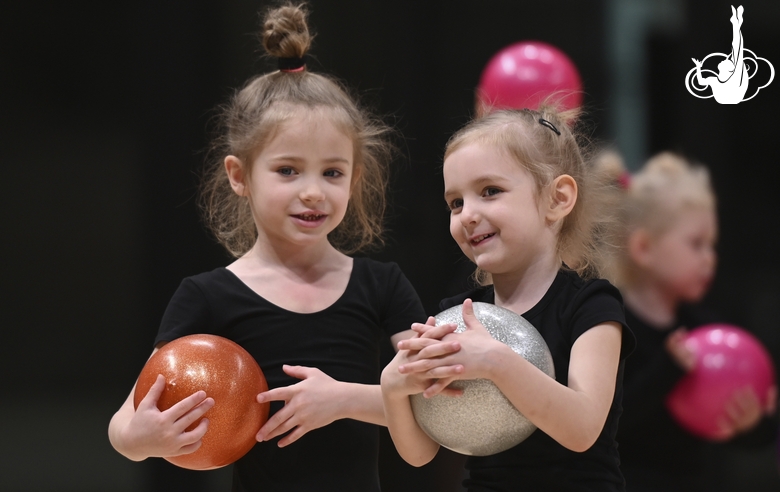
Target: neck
x,y
292,257
651,304
519,291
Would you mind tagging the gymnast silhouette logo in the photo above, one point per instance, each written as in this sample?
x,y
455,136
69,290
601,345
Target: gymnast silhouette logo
x,y
730,84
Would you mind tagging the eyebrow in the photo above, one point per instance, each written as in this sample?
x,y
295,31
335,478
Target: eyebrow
x,y
327,160
482,180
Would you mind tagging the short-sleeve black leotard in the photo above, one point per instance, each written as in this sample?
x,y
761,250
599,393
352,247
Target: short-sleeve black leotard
x,y
569,308
341,340
657,454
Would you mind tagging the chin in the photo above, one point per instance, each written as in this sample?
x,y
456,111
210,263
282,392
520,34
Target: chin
x,y
491,267
694,295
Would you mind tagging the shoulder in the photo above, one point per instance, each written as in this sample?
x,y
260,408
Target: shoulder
x,y
387,274
384,279
205,280
578,290
375,267
384,286
588,303
215,283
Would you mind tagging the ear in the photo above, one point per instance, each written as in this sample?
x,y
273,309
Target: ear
x,y
357,173
563,196
639,245
236,174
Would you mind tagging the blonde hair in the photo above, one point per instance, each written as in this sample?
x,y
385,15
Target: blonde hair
x,y
653,199
253,115
546,154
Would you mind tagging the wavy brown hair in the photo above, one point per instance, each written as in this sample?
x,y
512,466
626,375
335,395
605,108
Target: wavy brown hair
x,y
582,242
653,198
255,112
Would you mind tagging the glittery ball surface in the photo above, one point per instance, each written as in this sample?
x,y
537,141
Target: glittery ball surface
x,y
482,421
229,375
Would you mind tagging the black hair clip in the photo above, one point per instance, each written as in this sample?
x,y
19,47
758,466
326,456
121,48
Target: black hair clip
x,y
549,125
290,64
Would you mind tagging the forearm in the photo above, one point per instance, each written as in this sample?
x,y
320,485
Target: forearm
x,y
117,437
411,442
361,402
573,418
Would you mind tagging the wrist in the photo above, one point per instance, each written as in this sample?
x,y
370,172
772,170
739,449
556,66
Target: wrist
x,y
126,448
393,387
496,358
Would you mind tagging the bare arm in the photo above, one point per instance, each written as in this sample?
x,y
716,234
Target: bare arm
x,y
573,415
411,442
318,400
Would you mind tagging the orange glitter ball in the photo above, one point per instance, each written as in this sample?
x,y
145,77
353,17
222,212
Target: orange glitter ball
x,y
229,375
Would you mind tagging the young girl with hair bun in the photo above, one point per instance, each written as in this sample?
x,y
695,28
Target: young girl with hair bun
x,y
525,207
669,229
297,183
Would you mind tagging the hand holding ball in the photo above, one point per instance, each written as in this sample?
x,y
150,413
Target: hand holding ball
x,y
482,421
728,359
229,375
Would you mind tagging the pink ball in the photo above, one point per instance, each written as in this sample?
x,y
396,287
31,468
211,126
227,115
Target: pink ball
x,y
727,358
525,73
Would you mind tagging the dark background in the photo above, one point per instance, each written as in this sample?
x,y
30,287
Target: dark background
x,y
104,117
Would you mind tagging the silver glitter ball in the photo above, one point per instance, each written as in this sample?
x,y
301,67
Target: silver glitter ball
x,y
482,421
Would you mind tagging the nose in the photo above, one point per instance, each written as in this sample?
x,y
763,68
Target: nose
x,y
312,191
469,215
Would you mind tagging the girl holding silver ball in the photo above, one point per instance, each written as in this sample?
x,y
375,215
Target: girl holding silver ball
x,y
525,207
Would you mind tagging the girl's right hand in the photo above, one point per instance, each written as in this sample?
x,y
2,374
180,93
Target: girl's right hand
x,y
680,353
153,433
425,346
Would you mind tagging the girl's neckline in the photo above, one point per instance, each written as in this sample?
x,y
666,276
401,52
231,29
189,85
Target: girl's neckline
x,y
548,296
288,311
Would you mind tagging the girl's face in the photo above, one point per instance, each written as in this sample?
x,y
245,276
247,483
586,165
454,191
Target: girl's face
x,y
299,184
682,259
494,215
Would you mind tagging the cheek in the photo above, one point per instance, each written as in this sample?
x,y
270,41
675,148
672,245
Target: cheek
x,y
344,195
455,230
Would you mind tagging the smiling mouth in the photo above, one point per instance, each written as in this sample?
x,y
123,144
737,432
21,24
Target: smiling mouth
x,y
479,239
310,217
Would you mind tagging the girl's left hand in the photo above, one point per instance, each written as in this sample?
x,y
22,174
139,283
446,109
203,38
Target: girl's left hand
x,y
308,405
471,360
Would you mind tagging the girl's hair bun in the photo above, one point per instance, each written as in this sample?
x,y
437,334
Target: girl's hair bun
x,y
285,32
